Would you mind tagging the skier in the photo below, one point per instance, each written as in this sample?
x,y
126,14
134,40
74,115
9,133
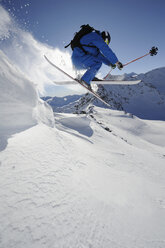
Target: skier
x,y
92,52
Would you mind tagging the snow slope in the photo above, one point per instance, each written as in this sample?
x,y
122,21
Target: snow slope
x,y
20,104
69,180
92,181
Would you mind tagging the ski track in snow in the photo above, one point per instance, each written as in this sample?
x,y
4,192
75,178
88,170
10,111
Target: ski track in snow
x,y
78,185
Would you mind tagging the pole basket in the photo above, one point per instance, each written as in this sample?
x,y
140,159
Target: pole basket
x,y
153,51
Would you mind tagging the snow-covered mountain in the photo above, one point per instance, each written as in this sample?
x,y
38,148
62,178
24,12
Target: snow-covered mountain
x,y
91,180
59,104
145,100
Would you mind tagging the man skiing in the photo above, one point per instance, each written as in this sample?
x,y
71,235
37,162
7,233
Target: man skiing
x,y
93,50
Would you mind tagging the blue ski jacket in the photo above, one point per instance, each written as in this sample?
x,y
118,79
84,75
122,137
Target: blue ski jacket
x,y
99,51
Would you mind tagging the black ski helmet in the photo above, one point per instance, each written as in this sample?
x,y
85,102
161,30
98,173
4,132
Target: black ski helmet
x,y
106,37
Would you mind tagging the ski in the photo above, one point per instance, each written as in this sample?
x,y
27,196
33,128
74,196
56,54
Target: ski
x,y
109,82
77,81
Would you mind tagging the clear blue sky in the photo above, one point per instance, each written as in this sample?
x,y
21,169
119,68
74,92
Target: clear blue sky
x,y
135,25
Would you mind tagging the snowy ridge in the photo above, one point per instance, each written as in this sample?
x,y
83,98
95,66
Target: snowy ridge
x,y
20,104
156,78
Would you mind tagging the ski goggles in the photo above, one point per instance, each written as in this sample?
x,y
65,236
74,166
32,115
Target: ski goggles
x,y
107,41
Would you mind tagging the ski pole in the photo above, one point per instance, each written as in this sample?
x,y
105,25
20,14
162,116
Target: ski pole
x,y
107,74
153,51
136,59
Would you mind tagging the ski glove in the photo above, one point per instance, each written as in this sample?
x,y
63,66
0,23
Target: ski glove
x,y
113,66
119,65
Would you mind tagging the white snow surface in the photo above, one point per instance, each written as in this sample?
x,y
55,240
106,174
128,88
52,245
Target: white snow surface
x,y
89,181
79,185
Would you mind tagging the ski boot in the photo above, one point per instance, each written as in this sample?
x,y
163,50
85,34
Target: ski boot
x,y
88,86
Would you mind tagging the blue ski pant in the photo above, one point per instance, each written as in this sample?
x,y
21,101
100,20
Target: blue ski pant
x,y
89,62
